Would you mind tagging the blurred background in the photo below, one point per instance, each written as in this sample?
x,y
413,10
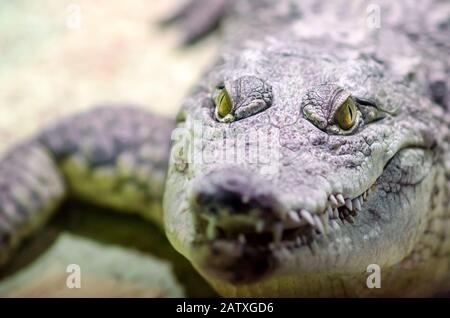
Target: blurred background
x,y
58,57
61,56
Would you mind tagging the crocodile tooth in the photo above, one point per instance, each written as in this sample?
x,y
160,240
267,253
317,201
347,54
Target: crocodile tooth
x,y
277,232
335,225
340,199
304,240
298,240
307,216
330,212
365,195
348,204
241,238
314,247
293,216
245,198
336,213
357,204
259,226
324,219
211,230
319,224
333,201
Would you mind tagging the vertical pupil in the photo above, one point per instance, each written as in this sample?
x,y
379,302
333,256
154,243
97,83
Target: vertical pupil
x,y
223,103
350,111
222,96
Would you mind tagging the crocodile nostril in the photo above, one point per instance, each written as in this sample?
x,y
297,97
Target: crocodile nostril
x,y
232,183
235,200
232,195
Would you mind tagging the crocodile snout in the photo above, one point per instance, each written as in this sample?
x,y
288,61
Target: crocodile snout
x,y
237,211
235,200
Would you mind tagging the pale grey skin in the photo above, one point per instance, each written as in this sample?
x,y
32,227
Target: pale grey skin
x,y
262,227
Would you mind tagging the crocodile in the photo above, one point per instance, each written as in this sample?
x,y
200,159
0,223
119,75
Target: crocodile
x,y
315,149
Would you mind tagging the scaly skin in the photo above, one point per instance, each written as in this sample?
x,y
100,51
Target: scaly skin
x,y
397,152
302,206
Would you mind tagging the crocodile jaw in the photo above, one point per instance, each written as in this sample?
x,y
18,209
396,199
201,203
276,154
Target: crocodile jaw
x,y
385,231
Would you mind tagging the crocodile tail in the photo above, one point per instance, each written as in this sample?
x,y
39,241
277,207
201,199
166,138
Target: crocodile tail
x,y
115,157
31,189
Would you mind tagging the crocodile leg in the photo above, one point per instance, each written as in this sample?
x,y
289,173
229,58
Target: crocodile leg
x,y
110,156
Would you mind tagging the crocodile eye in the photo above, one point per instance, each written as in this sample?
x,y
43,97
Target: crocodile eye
x,y
332,109
223,103
240,98
345,115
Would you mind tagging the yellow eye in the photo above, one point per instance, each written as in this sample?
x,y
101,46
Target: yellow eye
x,y
345,115
223,103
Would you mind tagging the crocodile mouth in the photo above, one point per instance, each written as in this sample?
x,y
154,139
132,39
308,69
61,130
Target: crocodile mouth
x,y
296,229
240,233
244,234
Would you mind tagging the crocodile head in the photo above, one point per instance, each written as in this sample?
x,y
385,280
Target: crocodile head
x,y
292,171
